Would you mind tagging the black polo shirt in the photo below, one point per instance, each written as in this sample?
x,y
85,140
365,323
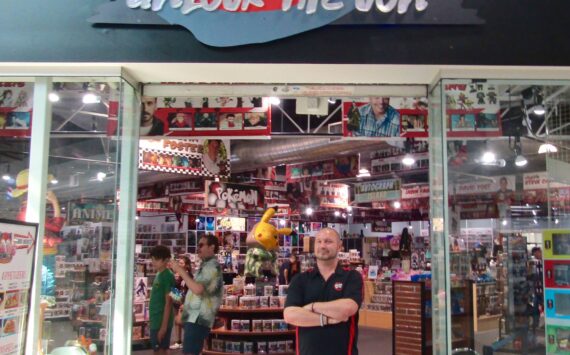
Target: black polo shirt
x,y
337,339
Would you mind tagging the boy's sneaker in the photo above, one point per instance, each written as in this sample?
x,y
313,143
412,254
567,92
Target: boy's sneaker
x,y
176,346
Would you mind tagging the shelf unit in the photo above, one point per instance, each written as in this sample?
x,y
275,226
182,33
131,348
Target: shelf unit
x,y
224,341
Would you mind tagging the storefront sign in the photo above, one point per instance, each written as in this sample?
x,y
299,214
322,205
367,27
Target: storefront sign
x,y
332,195
90,212
232,196
208,157
17,250
259,21
381,190
16,99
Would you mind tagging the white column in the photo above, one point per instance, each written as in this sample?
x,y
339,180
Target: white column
x,y
37,188
123,290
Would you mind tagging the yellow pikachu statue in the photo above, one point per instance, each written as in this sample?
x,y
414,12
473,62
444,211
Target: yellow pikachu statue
x,y
263,241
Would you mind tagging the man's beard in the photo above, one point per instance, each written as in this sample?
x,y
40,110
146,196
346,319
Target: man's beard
x,y
326,257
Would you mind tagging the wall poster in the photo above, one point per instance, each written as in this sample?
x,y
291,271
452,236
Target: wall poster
x,y
17,251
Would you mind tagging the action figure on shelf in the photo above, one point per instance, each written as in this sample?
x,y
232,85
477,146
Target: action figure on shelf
x,y
262,242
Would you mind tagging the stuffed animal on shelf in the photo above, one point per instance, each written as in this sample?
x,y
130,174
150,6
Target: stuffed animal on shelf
x,y
262,243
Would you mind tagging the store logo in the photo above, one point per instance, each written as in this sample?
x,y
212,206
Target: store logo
x,y
338,286
226,23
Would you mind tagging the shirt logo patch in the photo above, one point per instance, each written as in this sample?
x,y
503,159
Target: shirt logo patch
x,y
338,286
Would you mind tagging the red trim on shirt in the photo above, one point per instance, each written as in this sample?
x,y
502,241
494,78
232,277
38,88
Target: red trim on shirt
x,y
352,334
297,340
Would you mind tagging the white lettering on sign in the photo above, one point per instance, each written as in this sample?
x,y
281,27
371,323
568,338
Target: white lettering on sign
x,y
309,6
233,195
382,185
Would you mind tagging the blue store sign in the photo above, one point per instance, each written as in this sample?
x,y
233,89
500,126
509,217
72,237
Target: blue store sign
x,y
225,23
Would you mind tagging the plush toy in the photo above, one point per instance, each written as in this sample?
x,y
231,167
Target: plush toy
x,y
262,242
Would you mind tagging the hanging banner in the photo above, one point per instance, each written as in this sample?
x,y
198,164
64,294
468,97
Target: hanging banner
x,y
233,196
332,195
472,109
17,250
415,191
205,116
380,190
338,168
539,181
78,213
206,157
500,184
385,117
16,100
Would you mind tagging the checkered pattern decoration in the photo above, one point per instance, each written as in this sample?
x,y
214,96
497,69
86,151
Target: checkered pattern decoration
x,y
197,169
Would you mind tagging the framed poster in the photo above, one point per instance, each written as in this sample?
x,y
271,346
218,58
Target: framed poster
x,y
17,251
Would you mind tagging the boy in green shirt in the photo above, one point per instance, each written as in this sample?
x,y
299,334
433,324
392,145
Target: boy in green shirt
x,y
160,307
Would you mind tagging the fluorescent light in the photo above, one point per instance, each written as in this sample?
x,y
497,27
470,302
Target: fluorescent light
x,y
547,148
6,177
408,160
101,175
54,181
90,98
336,213
539,110
535,221
309,211
53,97
520,161
274,100
397,204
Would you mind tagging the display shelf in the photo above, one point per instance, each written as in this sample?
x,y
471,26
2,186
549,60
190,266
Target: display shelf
x,y
236,333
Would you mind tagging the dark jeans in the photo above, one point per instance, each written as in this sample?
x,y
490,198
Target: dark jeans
x,y
194,336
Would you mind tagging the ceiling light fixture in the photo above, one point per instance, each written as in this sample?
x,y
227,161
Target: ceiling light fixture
x,y
397,205
488,158
539,109
547,148
101,176
53,97
363,173
274,100
349,208
282,222
408,160
90,98
6,177
54,181
520,161
504,223
331,100
309,211
336,213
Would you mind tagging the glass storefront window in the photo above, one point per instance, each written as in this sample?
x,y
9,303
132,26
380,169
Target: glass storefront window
x,y
81,215
506,166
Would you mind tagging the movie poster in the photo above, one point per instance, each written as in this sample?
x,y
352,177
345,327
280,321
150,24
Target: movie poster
x,y
17,250
16,100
